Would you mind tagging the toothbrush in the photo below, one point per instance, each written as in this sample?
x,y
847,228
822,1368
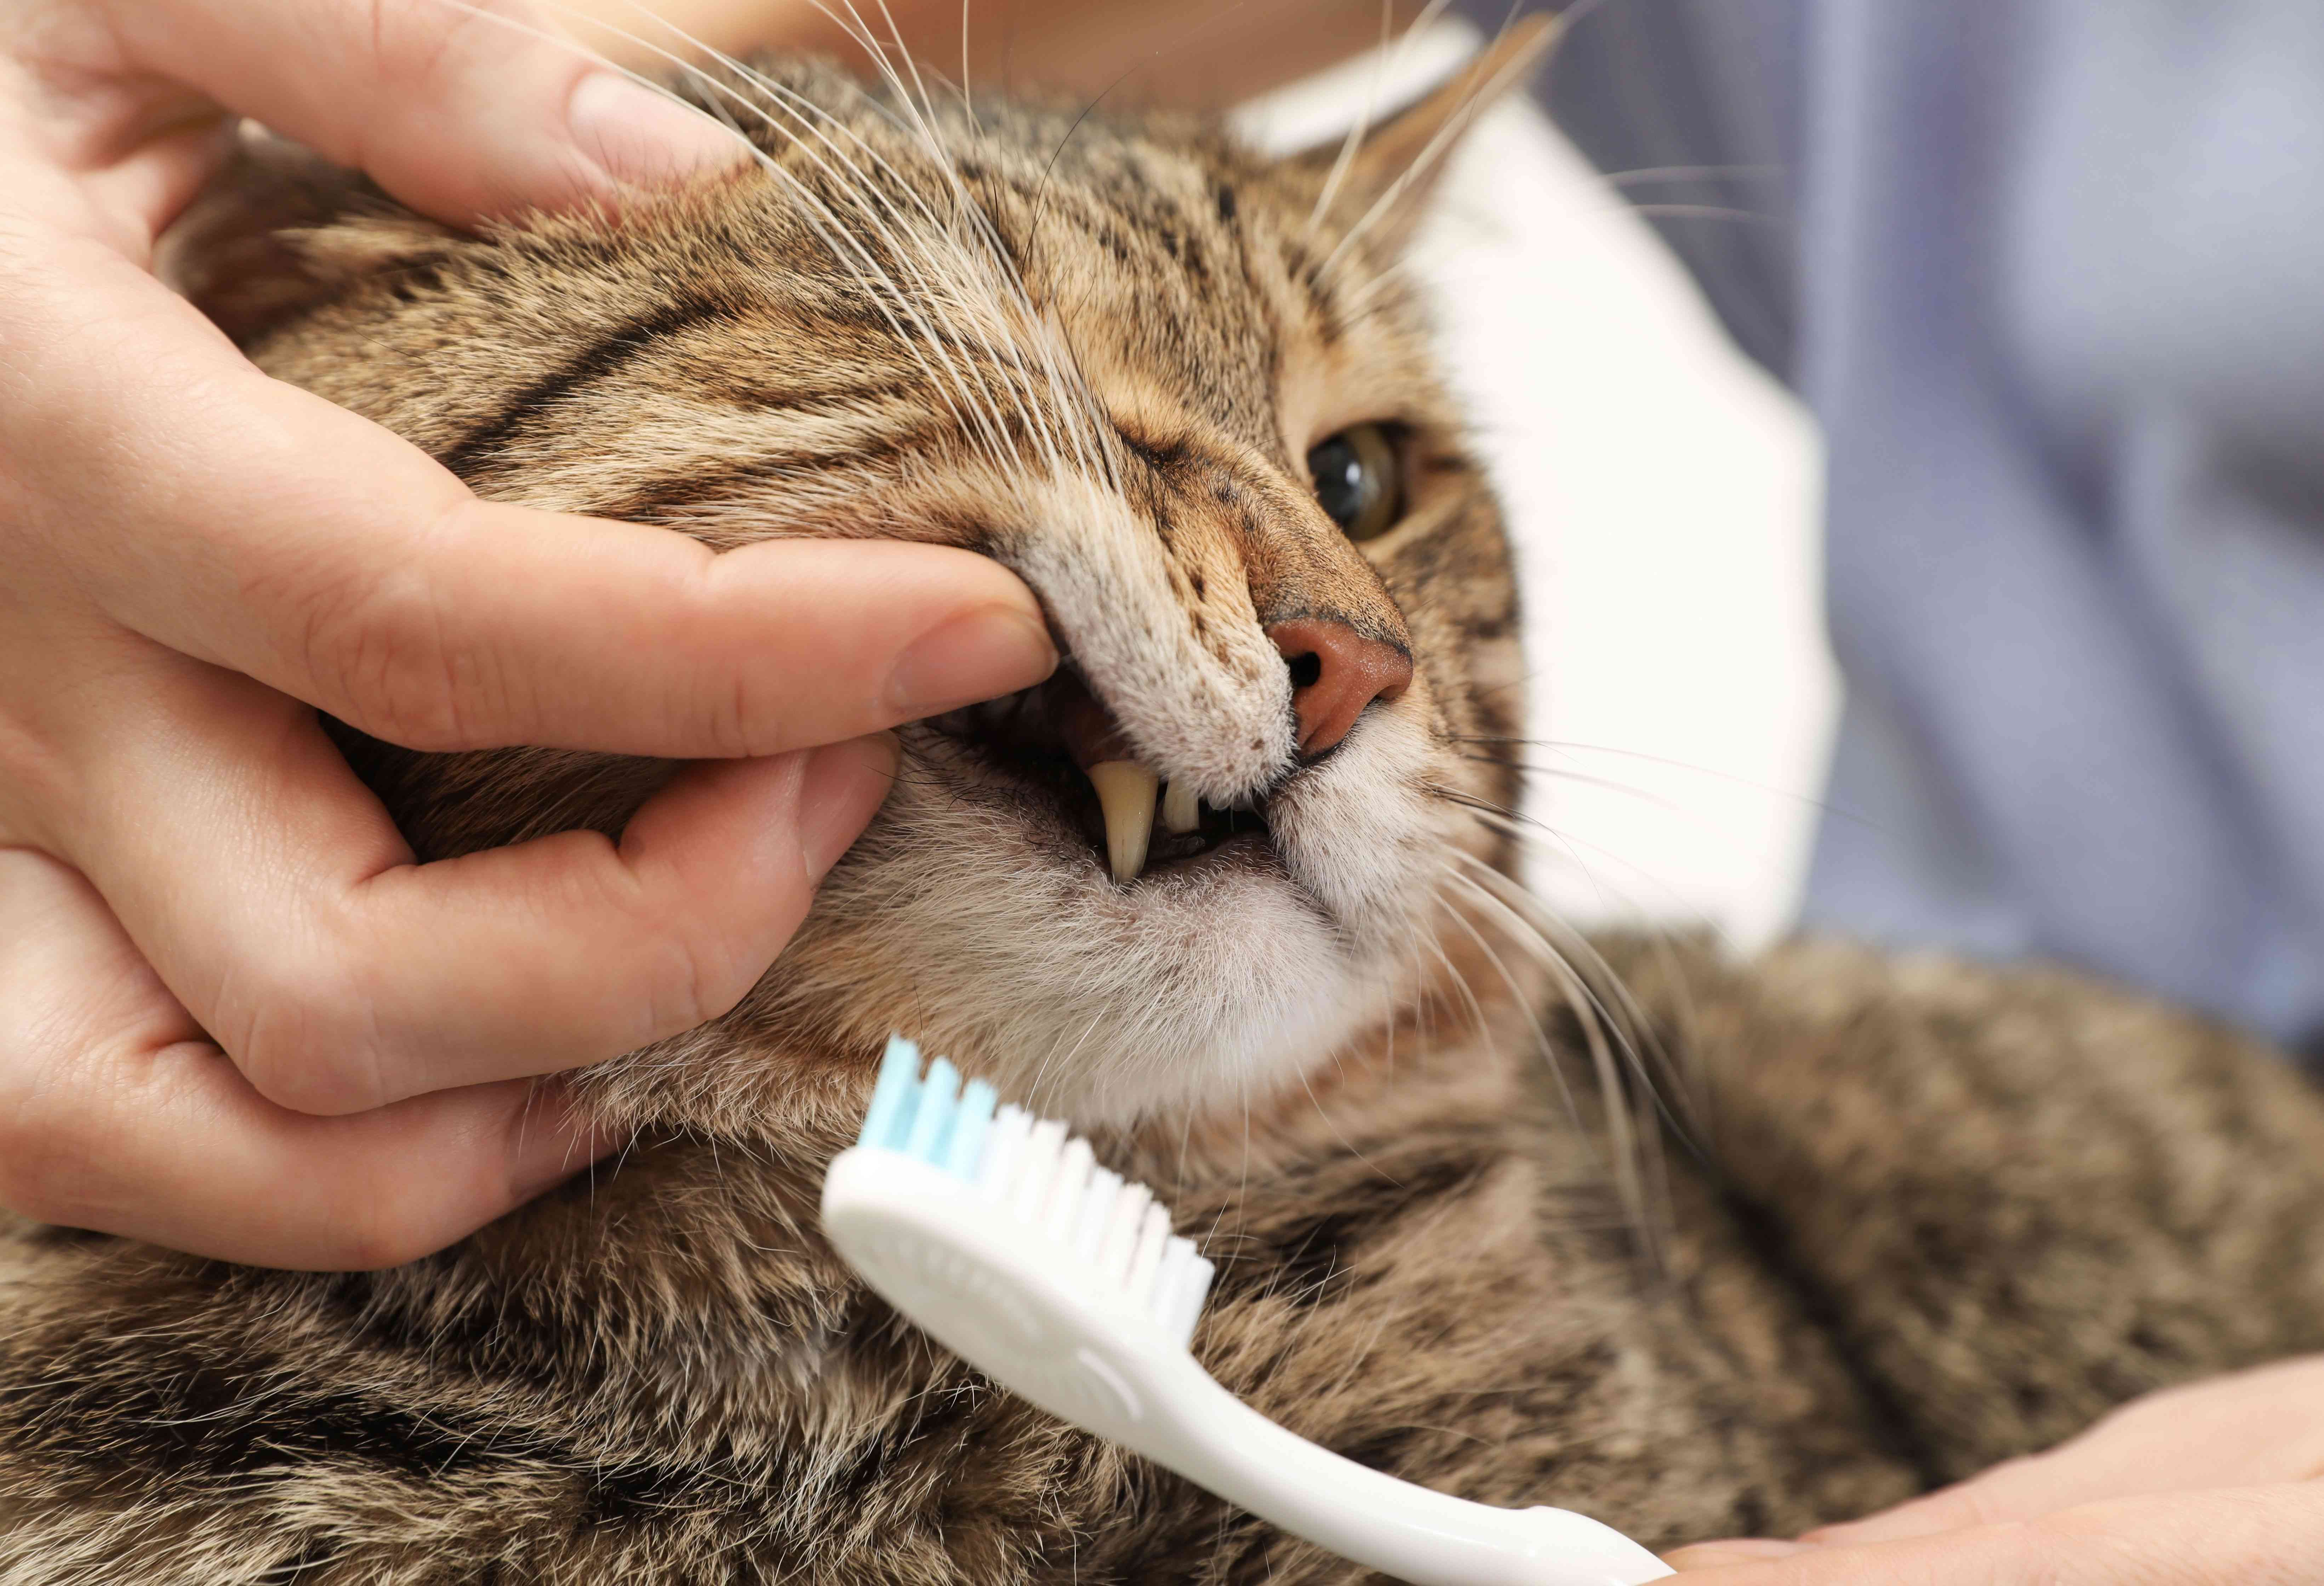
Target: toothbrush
x,y
1000,1236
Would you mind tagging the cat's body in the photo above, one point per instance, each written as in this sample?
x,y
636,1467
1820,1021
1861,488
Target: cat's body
x,y
1961,1215
1938,1216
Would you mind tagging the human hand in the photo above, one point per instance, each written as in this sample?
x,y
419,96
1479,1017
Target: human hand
x,y
236,1017
2207,1485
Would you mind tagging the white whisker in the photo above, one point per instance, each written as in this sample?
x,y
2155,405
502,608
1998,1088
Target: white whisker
x,y
1385,60
1456,125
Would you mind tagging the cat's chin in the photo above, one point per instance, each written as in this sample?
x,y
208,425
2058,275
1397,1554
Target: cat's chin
x,y
979,914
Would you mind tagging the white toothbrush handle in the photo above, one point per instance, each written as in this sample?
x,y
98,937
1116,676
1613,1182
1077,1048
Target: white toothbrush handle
x,y
999,1292
1203,1432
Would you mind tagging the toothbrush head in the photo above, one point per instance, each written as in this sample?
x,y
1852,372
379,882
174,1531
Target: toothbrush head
x,y
941,1170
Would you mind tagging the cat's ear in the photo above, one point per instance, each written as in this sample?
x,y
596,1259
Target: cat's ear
x,y
280,230
1385,182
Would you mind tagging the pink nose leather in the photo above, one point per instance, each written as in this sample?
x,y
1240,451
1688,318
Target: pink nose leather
x,y
1335,672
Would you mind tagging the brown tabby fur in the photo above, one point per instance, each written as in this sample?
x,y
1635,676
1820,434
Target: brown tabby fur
x,y
1917,1216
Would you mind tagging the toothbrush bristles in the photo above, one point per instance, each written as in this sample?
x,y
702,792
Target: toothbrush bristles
x,y
1045,1177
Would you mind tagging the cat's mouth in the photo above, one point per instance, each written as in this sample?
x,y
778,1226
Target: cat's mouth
x,y
1058,741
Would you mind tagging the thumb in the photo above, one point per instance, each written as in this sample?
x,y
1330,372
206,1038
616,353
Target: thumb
x,y
460,108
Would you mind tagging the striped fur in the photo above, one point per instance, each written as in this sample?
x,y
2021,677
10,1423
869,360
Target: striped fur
x,y
1915,1217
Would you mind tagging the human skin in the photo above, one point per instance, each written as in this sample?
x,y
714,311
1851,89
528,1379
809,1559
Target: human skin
x,y
2208,1485
236,1017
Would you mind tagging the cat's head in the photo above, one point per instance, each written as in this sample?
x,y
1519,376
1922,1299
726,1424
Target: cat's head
x,y
1180,388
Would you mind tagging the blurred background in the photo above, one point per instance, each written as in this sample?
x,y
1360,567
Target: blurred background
x,y
1664,491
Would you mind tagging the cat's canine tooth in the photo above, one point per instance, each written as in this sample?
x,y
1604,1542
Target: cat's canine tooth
x,y
1182,809
1125,791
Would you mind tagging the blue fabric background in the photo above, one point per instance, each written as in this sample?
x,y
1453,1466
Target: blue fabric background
x,y
2050,272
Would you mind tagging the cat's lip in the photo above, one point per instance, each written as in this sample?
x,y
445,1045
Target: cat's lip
x,y
1060,737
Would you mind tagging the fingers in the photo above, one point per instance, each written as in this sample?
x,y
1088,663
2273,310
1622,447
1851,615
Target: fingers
x,y
2254,1428
1733,1553
115,1115
2257,1429
2015,1490
268,888
2243,1537
272,896
461,109
258,527
150,478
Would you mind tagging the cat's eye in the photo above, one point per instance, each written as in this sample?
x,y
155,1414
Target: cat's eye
x,y
1358,480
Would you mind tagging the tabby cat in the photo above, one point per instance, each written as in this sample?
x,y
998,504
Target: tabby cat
x,y
1897,1220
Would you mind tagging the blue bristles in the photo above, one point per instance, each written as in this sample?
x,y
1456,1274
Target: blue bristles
x,y
890,1112
939,1093
968,1126
932,1119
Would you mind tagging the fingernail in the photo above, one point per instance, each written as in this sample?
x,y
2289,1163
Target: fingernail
x,y
980,654
841,790
640,138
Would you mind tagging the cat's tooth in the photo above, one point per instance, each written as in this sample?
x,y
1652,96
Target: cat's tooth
x,y
1125,790
1182,809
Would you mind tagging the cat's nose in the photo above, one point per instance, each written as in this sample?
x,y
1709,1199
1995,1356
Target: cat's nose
x,y
1335,672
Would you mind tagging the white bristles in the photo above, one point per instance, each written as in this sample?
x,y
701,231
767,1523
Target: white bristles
x,y
1064,1208
1153,1233
1176,1254
1050,1181
1193,1288
1039,1173
1002,1147
1037,1165
1121,1228
1097,1205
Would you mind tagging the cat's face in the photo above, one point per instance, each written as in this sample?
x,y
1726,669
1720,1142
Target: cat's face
x,y
1115,356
